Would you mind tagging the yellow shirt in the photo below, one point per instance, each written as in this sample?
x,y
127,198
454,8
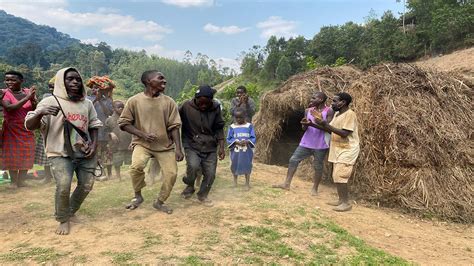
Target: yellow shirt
x,y
344,150
157,115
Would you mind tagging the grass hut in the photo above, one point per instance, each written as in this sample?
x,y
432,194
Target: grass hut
x,y
277,124
416,129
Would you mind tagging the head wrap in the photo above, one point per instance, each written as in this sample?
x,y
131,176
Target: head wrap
x,y
204,91
102,83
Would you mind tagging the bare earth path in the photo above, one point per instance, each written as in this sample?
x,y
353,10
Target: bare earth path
x,y
263,225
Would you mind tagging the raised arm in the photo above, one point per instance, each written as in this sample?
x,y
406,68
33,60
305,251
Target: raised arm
x,y
15,106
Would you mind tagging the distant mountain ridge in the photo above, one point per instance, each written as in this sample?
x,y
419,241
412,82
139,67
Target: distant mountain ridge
x,y
19,33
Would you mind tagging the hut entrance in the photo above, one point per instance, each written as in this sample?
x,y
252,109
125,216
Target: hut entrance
x,y
291,133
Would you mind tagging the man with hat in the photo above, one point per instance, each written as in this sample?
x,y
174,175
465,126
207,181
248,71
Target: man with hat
x,y
203,140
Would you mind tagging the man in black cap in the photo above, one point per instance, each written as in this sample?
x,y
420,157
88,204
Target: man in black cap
x,y
203,140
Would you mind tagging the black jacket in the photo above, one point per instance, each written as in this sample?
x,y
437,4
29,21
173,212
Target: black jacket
x,y
201,130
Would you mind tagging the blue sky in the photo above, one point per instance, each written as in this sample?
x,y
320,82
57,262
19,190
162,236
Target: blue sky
x,y
221,29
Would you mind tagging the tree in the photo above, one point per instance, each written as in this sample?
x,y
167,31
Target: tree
x,y
283,70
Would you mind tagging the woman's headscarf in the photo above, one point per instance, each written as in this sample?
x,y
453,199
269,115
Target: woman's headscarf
x,y
102,83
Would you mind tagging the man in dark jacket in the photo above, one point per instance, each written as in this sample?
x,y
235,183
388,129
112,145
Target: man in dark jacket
x,y
203,140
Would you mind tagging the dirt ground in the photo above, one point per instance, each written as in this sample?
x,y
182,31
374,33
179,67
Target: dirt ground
x,y
263,225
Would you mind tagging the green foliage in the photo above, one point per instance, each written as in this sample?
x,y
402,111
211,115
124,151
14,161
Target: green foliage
x,y
23,42
39,52
428,27
311,63
283,70
253,91
340,62
187,92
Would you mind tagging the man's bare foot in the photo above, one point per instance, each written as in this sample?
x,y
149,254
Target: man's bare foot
x,y
63,228
343,207
282,186
334,203
247,187
314,192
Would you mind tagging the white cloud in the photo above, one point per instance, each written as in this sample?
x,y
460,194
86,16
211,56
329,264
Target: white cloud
x,y
277,26
55,14
226,29
155,50
189,3
106,10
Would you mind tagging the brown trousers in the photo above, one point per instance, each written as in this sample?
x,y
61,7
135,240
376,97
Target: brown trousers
x,y
169,169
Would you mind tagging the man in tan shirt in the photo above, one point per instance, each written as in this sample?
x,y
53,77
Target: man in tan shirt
x,y
344,147
153,120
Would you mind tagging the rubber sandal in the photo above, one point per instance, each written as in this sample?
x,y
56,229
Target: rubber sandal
x,y
134,203
162,207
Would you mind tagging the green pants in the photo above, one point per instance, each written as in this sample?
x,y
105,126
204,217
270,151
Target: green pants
x,y
169,169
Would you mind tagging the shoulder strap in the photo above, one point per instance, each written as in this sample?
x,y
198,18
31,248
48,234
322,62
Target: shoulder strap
x,y
81,133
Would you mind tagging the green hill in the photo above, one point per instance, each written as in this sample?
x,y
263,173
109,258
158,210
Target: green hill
x,y
21,39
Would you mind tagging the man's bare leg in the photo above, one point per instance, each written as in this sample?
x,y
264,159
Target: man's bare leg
x,y
63,228
289,176
316,180
109,172
343,191
117,172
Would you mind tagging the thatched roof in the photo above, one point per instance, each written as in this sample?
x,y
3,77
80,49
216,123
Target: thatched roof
x,y
416,133
293,96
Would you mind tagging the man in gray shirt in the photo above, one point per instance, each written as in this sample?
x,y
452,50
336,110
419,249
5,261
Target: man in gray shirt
x,y
243,101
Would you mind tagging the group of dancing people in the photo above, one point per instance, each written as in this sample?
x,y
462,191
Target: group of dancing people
x,y
80,133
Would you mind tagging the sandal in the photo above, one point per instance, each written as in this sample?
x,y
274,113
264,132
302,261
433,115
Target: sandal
x,y
161,207
134,203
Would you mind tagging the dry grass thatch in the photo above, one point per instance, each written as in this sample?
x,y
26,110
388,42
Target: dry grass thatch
x,y
278,106
416,134
417,147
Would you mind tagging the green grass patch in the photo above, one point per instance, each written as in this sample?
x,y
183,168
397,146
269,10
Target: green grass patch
x,y
120,257
365,254
151,239
210,238
193,260
37,254
104,196
265,241
301,211
323,255
261,232
266,206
